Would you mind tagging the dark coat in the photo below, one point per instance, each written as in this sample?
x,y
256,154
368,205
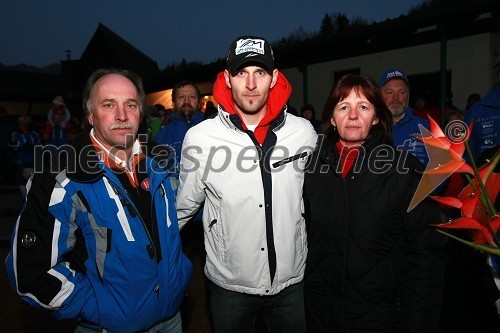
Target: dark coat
x,y
372,266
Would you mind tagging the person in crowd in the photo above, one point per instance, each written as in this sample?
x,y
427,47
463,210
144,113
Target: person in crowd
x,y
7,167
98,241
186,100
372,265
290,109
23,141
210,110
448,103
484,143
247,164
485,132
59,107
152,122
395,88
308,112
453,115
165,115
74,128
58,135
187,113
471,100
421,109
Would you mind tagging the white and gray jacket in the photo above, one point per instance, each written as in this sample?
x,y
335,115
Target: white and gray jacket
x,y
253,222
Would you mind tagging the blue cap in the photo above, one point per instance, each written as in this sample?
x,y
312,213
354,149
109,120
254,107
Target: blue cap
x,y
393,74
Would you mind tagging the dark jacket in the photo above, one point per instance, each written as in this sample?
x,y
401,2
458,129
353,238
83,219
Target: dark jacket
x,y
371,267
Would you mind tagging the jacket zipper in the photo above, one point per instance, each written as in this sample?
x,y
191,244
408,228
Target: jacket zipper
x,y
129,202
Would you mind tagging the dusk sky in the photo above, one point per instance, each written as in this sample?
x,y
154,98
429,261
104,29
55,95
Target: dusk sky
x,y
37,32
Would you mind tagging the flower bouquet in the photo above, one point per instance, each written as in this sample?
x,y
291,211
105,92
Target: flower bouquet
x,y
476,200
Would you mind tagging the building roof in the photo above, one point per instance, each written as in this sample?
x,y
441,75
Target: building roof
x,y
107,49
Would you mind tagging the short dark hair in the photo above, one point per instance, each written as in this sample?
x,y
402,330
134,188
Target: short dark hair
x,y
366,86
308,107
88,91
184,83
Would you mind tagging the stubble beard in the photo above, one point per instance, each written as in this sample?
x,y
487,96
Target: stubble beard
x,y
251,107
186,111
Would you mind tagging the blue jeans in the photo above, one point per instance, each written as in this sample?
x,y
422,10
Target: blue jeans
x,y
172,325
236,312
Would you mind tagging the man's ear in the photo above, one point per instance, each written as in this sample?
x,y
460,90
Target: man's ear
x,y
226,77
275,78
90,120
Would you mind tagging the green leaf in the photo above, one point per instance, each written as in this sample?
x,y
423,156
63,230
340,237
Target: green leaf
x,y
482,247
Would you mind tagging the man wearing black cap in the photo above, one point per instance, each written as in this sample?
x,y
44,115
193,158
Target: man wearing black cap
x,y
247,165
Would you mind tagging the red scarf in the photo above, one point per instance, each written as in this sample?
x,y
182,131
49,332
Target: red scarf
x,y
348,156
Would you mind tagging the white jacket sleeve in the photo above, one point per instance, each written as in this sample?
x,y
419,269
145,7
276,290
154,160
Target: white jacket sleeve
x,y
191,192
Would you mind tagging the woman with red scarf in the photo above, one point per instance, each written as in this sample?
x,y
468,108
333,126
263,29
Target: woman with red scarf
x,y
372,266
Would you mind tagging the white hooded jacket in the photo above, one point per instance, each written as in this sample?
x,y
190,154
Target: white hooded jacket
x,y
253,221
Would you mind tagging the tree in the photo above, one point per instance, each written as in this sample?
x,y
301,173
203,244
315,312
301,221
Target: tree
x,y
342,22
326,28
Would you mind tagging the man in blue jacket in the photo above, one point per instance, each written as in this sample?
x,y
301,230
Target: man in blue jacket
x,y
484,142
395,88
485,132
97,239
186,102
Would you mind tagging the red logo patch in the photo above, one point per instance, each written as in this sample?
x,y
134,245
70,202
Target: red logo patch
x,y
145,184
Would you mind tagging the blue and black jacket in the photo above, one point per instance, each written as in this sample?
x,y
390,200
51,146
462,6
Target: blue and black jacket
x,y
81,249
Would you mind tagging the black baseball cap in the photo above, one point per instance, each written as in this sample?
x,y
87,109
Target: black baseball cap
x,y
249,49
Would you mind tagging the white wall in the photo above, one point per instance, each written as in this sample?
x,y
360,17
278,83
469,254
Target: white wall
x,y
469,59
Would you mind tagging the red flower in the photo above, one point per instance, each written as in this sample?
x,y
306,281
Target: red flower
x,y
445,158
475,201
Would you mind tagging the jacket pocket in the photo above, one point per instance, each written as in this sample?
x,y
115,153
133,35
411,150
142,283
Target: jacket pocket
x,y
301,236
216,233
103,238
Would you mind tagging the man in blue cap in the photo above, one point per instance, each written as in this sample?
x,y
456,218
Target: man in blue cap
x,y
395,88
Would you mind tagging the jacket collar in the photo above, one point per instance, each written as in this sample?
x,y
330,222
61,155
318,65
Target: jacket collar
x,y
178,120
234,120
86,166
